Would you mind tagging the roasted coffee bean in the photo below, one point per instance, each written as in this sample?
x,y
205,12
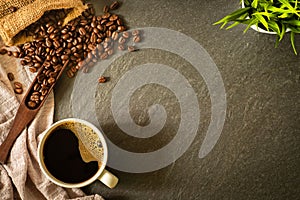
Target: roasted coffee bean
x,y
36,87
18,90
42,98
9,53
51,80
105,9
3,51
122,40
32,69
105,45
131,48
23,62
121,28
102,79
110,52
53,74
18,85
108,33
64,57
115,36
114,5
38,58
113,17
15,54
44,90
119,22
37,65
35,97
81,31
104,56
65,36
121,47
112,27
106,15
50,29
41,77
126,35
85,69
136,39
57,68
52,36
109,23
135,32
70,74
56,44
10,76
31,104
73,69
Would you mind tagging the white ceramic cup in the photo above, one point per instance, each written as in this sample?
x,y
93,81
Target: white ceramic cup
x,y
102,174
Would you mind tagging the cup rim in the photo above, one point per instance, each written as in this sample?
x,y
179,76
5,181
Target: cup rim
x,y
41,157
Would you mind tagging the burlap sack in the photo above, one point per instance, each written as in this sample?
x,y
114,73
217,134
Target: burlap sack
x,y
16,15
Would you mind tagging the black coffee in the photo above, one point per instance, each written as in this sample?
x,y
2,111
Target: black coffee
x,y
62,158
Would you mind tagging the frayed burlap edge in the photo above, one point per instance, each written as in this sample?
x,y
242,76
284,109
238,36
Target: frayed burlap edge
x,y
12,24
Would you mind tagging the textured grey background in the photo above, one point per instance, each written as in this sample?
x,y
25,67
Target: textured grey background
x,y
258,153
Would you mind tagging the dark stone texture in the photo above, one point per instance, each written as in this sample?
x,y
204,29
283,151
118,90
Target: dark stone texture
x,y
258,153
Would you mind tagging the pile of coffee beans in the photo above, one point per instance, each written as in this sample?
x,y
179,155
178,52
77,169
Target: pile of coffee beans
x,y
78,45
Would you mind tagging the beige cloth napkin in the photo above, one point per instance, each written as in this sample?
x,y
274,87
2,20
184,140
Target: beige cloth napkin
x,y
21,177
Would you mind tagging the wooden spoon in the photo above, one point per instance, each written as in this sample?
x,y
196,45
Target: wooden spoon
x,y
24,116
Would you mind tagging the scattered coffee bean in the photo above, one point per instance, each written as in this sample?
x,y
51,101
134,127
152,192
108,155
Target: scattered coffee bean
x,y
122,40
18,85
18,90
3,51
126,34
102,79
121,47
135,32
131,48
105,9
114,5
10,76
136,39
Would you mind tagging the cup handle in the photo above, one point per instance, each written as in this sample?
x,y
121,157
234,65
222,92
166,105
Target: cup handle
x,y
108,179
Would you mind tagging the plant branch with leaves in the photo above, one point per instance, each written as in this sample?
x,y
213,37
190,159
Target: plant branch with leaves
x,y
278,16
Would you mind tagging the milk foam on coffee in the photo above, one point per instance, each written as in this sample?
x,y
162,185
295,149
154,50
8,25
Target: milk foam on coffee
x,y
90,146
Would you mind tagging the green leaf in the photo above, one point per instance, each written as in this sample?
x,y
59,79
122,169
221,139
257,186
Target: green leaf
x,y
268,15
250,22
293,42
285,15
278,10
293,22
239,20
289,6
283,29
262,20
254,3
275,27
233,16
295,29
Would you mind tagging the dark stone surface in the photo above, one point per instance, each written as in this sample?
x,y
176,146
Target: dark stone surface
x,y
258,153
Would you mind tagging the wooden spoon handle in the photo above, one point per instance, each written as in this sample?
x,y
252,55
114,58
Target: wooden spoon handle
x,y
23,118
